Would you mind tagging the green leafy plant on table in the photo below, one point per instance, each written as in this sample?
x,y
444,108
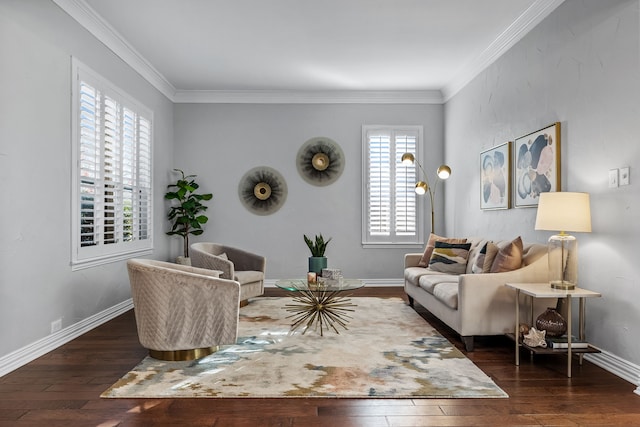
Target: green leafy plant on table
x,y
317,246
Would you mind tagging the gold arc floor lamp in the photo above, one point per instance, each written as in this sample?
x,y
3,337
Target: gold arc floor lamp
x,y
563,211
422,187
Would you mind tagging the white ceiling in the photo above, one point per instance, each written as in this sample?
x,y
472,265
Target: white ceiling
x,y
220,50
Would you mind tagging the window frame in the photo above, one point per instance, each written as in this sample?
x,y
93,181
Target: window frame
x,y
101,253
417,240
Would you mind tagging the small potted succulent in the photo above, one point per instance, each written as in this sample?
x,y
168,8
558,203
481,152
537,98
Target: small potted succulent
x,y
317,260
185,215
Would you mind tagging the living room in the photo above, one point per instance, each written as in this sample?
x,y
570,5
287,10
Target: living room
x,y
579,67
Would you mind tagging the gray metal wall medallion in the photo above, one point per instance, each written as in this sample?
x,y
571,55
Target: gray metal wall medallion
x,y
262,190
320,161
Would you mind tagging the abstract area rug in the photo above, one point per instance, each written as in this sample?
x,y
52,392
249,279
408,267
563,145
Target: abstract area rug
x,y
388,351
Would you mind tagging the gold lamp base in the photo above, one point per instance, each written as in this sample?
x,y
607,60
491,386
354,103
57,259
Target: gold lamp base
x,y
567,286
182,355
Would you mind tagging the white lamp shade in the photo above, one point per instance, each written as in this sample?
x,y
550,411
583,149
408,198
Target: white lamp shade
x,y
564,211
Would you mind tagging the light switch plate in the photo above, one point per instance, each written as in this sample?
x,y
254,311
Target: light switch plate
x,y
624,176
613,178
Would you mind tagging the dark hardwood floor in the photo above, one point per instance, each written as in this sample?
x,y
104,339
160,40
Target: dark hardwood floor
x,y
62,388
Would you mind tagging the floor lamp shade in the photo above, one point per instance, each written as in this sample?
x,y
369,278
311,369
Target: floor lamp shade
x,y
563,211
423,187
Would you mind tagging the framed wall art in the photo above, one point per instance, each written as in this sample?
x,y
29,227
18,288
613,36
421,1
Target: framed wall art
x,y
495,177
537,165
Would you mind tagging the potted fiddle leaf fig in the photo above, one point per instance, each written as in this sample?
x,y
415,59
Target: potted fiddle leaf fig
x,y
185,213
317,260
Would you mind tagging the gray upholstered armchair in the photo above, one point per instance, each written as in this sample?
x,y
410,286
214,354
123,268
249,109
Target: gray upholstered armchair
x,y
182,312
236,264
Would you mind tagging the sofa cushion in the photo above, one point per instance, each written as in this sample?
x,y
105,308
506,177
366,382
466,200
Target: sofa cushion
x,y
509,257
413,274
429,281
450,257
447,293
248,276
431,244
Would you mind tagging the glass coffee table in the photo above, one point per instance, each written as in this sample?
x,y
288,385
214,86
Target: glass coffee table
x,y
323,305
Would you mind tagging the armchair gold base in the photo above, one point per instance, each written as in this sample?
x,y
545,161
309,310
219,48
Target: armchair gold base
x,y
182,355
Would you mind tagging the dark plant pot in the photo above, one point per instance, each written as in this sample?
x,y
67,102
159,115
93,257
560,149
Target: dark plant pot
x,y
316,264
552,322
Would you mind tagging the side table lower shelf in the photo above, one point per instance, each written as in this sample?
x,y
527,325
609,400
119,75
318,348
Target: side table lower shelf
x,y
544,290
547,350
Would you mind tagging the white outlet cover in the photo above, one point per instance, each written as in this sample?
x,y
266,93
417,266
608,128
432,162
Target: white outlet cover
x,y
613,178
56,325
624,176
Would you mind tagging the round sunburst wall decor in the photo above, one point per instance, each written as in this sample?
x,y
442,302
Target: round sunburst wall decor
x,y
262,190
320,161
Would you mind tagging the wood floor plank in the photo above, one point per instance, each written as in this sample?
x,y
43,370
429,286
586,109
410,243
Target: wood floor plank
x,y
62,388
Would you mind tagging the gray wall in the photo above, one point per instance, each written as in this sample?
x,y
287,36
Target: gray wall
x,y
37,285
220,143
580,67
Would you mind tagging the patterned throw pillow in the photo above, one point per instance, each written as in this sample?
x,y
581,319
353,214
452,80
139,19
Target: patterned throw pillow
x,y
450,257
431,244
485,259
476,268
509,258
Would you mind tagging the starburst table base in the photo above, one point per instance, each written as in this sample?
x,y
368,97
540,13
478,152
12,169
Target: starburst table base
x,y
324,309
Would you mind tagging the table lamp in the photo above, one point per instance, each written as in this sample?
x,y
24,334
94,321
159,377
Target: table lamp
x,y
563,211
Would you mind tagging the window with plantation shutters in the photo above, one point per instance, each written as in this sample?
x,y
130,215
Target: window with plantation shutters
x,y
391,212
112,205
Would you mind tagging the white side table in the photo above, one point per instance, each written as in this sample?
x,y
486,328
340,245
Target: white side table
x,y
544,290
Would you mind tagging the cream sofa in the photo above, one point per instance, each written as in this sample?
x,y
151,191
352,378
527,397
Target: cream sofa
x,y
477,304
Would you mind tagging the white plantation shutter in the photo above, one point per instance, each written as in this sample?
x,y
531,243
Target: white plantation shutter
x,y
405,179
391,214
379,198
112,162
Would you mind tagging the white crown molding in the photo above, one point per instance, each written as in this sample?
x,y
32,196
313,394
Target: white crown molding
x,y
509,37
308,97
105,33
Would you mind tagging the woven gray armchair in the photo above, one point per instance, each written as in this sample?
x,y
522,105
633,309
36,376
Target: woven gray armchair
x,y
182,312
236,264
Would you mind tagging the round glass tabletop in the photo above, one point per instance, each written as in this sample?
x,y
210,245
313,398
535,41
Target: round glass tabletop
x,y
294,285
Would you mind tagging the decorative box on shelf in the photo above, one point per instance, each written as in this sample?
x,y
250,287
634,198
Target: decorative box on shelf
x,y
331,273
562,342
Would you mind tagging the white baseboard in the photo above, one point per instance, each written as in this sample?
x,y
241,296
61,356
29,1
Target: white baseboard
x,y
617,366
271,283
21,357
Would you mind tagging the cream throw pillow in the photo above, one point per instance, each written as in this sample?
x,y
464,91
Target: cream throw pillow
x,y
490,256
508,258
